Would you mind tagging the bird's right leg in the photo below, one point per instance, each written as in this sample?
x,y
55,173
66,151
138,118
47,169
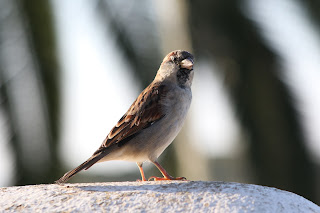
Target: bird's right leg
x,y
165,174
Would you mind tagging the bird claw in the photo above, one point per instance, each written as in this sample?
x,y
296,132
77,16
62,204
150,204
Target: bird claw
x,y
166,178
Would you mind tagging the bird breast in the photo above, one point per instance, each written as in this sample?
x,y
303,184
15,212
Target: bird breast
x,y
177,106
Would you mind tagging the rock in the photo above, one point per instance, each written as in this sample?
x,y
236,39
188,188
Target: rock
x,y
164,196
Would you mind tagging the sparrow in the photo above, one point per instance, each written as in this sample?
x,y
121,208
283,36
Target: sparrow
x,y
152,121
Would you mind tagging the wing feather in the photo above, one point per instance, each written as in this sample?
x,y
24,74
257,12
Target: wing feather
x,y
145,110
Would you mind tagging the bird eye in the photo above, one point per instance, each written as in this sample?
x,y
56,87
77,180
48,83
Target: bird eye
x,y
172,58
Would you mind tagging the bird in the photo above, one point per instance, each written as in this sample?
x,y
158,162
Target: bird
x,y
152,122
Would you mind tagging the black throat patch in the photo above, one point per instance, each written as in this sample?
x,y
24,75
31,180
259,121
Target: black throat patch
x,y
183,77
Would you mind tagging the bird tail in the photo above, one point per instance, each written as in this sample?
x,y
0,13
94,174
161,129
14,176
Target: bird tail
x,y
85,165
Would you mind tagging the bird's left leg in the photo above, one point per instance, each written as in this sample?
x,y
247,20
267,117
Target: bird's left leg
x,y
165,174
143,177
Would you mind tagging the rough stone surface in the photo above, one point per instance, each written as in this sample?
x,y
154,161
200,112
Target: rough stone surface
x,y
173,196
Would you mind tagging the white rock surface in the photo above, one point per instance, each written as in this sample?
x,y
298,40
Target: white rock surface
x,y
164,196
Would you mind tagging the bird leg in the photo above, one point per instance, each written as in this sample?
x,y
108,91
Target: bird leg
x,y
143,177
165,174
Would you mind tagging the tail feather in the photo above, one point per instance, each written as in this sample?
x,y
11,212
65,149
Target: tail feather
x,y
85,165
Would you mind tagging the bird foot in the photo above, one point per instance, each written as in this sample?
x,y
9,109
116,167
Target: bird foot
x,y
166,178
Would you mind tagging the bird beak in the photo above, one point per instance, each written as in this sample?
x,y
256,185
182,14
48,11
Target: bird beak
x,y
187,64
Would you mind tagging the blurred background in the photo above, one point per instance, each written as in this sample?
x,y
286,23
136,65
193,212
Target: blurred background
x,y
70,69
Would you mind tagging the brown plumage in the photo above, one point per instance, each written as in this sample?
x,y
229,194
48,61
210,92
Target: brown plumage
x,y
142,113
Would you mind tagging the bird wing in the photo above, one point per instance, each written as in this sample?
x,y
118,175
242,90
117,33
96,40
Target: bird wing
x,y
145,111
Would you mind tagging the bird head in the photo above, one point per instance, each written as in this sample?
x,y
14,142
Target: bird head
x,y
177,67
